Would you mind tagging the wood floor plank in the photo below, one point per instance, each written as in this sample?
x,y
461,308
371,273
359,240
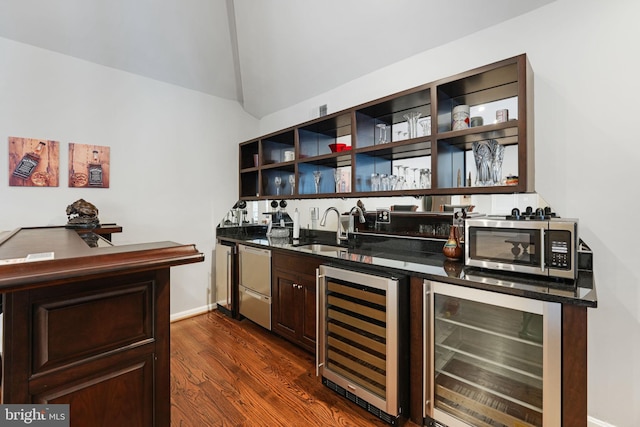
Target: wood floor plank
x,y
230,373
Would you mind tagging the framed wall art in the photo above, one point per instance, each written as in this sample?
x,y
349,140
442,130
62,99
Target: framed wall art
x,y
89,166
33,162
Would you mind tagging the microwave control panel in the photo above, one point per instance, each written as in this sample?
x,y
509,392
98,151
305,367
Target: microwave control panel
x,y
560,249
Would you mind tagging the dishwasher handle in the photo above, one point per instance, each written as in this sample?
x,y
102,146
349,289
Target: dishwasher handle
x,y
256,251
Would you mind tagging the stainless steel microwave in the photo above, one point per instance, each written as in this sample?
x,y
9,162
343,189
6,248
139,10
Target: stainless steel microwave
x,y
545,247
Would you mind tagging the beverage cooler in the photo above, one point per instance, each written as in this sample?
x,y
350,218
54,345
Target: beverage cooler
x,y
362,339
490,359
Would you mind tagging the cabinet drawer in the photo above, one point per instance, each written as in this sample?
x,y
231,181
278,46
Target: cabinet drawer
x,y
298,264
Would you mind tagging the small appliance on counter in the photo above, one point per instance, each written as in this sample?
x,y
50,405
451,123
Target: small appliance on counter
x,y
534,242
237,216
279,216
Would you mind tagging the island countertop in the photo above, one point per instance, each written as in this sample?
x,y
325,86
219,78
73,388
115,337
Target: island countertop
x,y
73,257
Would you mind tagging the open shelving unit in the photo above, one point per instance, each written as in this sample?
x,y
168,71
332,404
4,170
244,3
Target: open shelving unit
x,y
400,136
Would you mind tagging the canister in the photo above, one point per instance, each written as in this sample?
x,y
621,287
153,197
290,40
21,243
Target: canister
x,y
502,116
476,121
460,117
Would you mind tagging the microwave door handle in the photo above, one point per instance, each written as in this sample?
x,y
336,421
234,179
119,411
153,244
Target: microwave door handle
x,y
542,249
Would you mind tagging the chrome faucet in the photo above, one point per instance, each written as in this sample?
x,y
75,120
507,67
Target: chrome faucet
x,y
340,233
351,220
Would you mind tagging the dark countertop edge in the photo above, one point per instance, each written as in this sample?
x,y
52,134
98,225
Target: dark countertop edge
x,y
94,262
544,293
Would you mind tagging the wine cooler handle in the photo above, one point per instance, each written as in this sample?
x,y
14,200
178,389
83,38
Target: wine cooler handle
x,y
229,278
318,277
428,351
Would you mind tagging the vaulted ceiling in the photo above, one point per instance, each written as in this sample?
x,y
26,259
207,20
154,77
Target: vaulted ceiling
x,y
266,54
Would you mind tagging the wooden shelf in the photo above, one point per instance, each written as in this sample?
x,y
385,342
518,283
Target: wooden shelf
x,y
446,153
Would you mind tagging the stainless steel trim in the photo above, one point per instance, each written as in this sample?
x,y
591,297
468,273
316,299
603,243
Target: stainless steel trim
x,y
428,369
389,403
551,364
252,294
318,277
255,283
552,346
229,275
554,224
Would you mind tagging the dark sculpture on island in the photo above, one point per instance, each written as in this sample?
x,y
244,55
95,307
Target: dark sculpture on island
x,y
82,214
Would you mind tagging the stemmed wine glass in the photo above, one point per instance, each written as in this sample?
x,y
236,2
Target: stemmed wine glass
x,y
415,177
406,175
278,182
292,183
316,179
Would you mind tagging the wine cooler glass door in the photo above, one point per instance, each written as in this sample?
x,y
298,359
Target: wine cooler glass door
x,y
492,359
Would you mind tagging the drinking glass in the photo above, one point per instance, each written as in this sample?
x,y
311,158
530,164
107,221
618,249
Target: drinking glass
x,y
405,175
292,183
337,175
382,137
384,182
425,178
316,180
278,181
393,182
375,182
415,178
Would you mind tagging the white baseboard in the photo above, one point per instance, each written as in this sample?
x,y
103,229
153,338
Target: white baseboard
x,y
594,422
193,312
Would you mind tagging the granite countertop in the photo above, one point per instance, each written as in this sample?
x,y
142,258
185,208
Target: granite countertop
x,y
423,258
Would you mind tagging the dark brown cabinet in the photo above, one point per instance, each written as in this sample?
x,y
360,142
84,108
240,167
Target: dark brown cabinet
x,y
294,298
89,328
408,143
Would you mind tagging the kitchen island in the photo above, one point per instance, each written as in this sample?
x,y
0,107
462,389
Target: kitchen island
x,y
86,323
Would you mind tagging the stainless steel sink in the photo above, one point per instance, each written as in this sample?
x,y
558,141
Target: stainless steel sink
x,y
321,248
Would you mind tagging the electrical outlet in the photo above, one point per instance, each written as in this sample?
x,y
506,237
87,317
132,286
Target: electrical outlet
x,y
383,216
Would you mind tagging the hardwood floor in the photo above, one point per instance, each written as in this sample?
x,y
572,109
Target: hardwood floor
x,y
230,373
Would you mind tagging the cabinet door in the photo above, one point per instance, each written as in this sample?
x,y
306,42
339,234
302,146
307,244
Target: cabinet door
x,y
307,295
285,305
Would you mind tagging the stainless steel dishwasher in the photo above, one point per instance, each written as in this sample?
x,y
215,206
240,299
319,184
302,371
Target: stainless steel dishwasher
x,y
255,284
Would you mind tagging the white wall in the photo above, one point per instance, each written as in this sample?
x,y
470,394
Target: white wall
x,y
585,56
173,154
